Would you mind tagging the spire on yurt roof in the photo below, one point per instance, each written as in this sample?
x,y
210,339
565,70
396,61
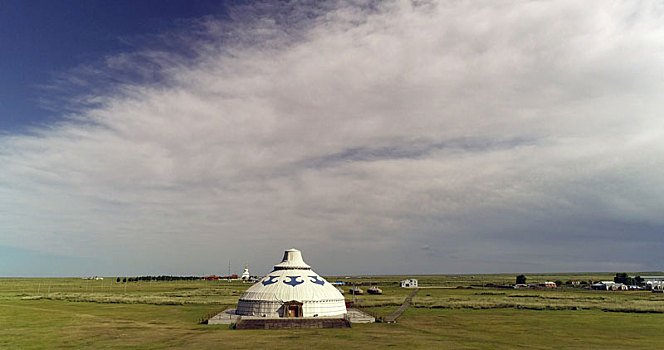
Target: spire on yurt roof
x,y
292,260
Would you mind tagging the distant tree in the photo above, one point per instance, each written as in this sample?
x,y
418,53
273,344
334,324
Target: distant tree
x,y
568,282
559,283
621,277
117,280
521,279
634,280
124,280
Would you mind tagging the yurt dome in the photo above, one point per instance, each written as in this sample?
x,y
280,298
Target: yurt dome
x,y
292,289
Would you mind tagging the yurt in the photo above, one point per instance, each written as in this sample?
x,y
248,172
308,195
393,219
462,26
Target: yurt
x,y
292,289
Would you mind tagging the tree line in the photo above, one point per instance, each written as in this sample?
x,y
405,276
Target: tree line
x,y
622,277
157,278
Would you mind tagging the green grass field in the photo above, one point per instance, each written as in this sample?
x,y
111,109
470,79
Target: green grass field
x,y
73,313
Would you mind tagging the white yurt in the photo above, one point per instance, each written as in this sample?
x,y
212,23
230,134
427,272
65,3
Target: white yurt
x,y
292,289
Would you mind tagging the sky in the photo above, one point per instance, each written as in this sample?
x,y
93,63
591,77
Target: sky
x,y
378,137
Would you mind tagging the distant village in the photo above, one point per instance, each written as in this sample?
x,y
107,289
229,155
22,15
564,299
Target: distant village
x,y
620,282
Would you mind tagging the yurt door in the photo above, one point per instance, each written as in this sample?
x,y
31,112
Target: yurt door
x,y
292,311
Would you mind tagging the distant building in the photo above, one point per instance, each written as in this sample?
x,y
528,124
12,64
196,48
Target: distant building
x,y
548,284
603,285
620,286
245,275
409,283
653,278
653,282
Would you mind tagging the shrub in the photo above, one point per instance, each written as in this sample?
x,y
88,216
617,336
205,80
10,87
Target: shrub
x,y
559,283
521,279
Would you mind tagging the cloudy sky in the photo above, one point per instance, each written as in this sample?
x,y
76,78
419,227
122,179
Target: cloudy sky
x,y
379,137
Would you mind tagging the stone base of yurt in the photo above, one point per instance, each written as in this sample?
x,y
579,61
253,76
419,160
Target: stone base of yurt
x,y
291,323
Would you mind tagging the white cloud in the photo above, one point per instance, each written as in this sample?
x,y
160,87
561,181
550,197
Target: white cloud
x,y
361,133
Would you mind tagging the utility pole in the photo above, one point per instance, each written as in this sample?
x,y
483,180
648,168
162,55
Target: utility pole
x,y
353,292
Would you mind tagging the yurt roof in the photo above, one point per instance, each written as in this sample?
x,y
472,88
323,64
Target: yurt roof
x,y
292,261
292,279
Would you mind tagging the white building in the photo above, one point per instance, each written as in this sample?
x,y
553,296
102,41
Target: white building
x,y
292,289
548,284
653,282
245,274
409,283
603,285
619,286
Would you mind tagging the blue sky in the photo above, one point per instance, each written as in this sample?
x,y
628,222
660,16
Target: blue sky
x,y
42,39
171,137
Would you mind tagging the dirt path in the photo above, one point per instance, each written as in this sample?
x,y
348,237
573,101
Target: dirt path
x,y
391,318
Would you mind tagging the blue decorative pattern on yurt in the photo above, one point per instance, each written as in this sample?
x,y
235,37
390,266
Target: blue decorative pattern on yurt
x,y
271,280
293,281
314,279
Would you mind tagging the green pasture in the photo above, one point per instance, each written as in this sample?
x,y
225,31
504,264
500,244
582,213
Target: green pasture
x,y
47,313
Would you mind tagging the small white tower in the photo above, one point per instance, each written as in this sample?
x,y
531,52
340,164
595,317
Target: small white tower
x,y
245,274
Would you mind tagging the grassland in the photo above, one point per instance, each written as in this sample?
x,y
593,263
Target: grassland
x,y
75,313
